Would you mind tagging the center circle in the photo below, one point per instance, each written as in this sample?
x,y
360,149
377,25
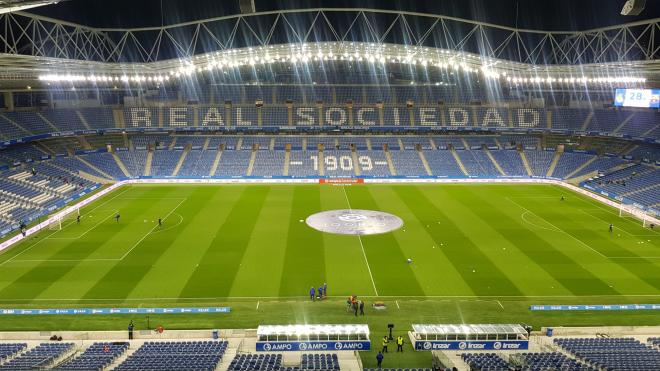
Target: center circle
x,y
354,222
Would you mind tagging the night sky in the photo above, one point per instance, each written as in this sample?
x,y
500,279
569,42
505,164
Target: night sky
x,y
535,14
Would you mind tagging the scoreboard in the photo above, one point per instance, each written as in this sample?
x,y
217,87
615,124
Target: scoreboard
x,y
644,98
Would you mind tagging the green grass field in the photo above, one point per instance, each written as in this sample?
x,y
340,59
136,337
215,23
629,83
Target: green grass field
x,y
481,254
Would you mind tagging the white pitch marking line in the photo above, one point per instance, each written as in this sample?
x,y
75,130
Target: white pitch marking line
x,y
36,243
500,303
470,298
63,260
601,219
151,230
559,229
364,254
608,209
87,231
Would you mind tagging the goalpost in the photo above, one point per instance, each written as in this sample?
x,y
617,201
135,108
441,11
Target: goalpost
x,y
66,216
630,211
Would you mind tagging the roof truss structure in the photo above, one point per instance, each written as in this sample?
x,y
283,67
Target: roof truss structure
x,y
31,35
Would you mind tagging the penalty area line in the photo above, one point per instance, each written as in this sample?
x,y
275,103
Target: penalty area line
x,y
59,230
558,229
151,230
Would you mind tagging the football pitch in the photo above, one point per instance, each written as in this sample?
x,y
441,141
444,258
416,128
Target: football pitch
x,y
480,254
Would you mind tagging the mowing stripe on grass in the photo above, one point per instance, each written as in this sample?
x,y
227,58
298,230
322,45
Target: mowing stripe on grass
x,y
576,225
462,252
304,259
33,282
218,267
390,271
535,246
121,279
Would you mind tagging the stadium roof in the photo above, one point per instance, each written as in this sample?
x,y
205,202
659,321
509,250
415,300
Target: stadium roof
x,y
568,15
88,44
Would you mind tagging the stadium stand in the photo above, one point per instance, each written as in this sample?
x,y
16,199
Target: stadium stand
x,y
164,162
407,163
175,356
198,163
548,361
442,163
601,164
256,362
268,163
539,161
485,361
234,163
9,350
39,357
477,163
612,353
97,356
30,121
134,161
510,162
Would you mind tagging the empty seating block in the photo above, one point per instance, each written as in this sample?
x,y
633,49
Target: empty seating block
x,y
64,119
256,362
174,356
550,361
601,164
106,162
442,163
134,161
268,163
234,163
98,117
485,361
8,350
477,163
510,162
96,357
612,353
164,162
539,161
640,125
569,118
607,121
30,121
407,163
40,357
198,163
569,162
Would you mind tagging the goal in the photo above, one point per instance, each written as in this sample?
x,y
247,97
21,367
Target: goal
x,y
62,219
630,211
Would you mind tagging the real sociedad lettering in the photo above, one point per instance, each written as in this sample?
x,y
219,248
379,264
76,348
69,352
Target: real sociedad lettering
x,y
218,117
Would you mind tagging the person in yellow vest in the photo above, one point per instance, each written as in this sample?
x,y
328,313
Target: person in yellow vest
x,y
386,341
399,344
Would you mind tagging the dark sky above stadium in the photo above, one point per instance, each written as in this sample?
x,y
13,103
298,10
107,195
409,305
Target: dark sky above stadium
x,y
536,14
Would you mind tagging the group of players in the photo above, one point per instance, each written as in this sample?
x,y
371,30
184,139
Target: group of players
x,y
320,293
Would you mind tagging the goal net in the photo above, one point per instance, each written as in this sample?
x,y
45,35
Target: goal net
x,y
64,218
631,211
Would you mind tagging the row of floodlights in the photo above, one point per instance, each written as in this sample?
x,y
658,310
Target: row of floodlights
x,y
451,64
